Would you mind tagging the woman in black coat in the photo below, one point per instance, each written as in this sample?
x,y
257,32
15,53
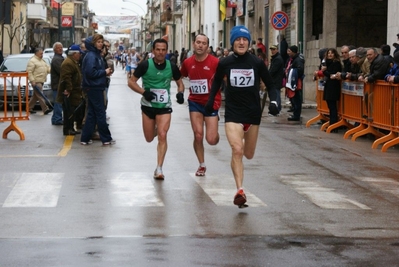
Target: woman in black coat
x,y
332,87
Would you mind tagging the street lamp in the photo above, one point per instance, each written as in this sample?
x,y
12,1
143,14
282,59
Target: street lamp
x,y
130,11
135,4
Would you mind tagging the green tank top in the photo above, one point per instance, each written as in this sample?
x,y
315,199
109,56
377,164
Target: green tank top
x,y
158,82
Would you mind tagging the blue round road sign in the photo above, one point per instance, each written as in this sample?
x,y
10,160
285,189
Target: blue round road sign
x,y
279,20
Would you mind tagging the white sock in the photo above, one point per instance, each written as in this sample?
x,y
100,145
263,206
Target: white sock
x,y
202,164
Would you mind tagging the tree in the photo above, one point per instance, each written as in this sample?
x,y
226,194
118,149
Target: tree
x,y
14,30
20,38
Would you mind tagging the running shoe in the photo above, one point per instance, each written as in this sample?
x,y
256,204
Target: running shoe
x,y
240,198
201,171
158,175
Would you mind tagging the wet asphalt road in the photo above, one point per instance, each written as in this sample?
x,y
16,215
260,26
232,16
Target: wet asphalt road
x,y
315,199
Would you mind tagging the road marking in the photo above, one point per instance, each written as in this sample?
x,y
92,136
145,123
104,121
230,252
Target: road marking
x,y
35,190
221,189
67,146
323,197
384,184
130,189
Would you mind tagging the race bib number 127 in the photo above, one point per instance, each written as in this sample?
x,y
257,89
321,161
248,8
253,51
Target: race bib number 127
x,y
242,77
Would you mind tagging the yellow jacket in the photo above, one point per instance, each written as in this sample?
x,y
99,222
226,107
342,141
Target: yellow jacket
x,y
37,70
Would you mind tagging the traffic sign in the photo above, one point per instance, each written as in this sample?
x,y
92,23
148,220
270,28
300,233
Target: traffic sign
x,y
279,20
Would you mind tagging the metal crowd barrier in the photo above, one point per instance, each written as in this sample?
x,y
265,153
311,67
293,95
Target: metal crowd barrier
x,y
16,94
322,107
365,109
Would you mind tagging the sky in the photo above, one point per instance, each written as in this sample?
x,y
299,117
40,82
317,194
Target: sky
x,y
114,7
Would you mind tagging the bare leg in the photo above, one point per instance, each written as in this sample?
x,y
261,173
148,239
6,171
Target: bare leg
x,y
163,124
235,137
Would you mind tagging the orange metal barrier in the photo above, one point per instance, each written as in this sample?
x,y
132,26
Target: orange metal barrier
x,y
16,93
322,107
374,107
385,113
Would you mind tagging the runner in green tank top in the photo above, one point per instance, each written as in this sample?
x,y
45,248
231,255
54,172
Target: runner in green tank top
x,y
156,106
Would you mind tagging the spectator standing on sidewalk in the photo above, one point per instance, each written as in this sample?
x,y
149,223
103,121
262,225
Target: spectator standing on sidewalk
x,y
243,108
294,72
156,104
276,71
332,86
56,118
94,82
200,69
37,70
260,45
70,89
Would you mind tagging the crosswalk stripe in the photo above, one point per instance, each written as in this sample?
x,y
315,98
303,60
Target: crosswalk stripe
x,y
130,189
384,184
221,189
323,197
35,190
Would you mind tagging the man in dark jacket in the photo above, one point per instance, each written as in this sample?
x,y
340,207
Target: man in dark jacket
x,y
276,71
379,66
56,62
70,89
295,63
94,83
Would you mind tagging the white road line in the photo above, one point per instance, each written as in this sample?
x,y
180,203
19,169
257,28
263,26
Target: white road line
x,y
384,184
35,190
130,189
221,189
323,197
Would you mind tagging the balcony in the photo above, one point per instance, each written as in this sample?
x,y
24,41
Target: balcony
x,y
37,12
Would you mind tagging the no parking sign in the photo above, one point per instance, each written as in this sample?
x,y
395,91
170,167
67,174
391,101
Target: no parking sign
x,y
279,20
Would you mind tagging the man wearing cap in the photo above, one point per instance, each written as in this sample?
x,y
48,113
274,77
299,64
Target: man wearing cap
x,y
363,64
276,71
294,71
70,89
242,102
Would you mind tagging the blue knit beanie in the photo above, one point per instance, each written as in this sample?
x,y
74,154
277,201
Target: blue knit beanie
x,y
239,31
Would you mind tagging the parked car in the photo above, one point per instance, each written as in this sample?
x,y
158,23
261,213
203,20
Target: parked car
x,y
18,63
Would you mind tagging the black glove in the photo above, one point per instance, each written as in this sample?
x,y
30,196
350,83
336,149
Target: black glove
x,y
180,98
148,95
209,107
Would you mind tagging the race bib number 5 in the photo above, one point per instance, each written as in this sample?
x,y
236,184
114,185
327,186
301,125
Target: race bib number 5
x,y
199,86
162,95
242,77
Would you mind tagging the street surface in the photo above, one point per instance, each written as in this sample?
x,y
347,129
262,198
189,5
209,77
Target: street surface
x,y
315,199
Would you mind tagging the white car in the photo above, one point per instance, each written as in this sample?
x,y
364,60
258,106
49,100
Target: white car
x,y
50,52
18,63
